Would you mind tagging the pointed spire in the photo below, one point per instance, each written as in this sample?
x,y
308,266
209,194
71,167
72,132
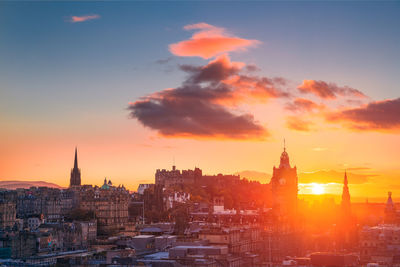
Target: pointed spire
x,y
76,158
284,144
346,194
75,179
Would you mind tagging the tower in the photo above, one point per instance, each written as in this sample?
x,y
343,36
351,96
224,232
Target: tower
x,y
346,204
284,185
75,172
347,227
390,210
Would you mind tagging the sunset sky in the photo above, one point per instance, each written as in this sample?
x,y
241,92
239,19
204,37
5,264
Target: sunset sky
x,y
216,85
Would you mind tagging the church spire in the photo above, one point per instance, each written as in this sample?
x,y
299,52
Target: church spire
x,y
76,158
346,194
75,179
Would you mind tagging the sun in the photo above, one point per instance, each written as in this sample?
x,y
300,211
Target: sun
x,y
318,189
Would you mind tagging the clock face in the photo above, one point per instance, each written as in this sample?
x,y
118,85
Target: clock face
x,y
282,181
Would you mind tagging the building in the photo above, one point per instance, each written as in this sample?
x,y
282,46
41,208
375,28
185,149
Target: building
x,y
75,172
380,244
346,231
175,177
284,186
391,214
109,204
38,201
7,214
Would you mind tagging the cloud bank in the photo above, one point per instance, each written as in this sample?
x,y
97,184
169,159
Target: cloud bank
x,y
208,102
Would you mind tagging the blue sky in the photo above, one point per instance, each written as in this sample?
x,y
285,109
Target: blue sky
x,y
58,78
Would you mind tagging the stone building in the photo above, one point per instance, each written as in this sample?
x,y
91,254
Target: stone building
x,y
109,203
175,177
7,214
7,209
39,201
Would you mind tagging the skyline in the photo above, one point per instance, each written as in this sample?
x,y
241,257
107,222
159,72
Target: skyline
x,y
96,77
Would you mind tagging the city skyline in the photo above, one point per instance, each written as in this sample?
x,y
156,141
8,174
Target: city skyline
x,y
106,79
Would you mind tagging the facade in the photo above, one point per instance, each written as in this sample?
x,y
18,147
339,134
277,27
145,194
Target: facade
x,y
39,201
380,244
175,177
7,214
110,205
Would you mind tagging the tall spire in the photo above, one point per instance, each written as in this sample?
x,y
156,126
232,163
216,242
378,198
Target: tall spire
x,y
76,158
75,179
346,194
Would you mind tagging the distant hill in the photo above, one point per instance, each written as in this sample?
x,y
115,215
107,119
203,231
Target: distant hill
x,y
12,185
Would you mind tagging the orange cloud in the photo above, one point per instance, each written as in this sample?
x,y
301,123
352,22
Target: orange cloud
x,y
375,116
328,91
209,41
75,19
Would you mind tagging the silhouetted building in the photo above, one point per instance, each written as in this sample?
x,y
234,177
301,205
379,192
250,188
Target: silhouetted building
x,y
75,172
284,186
391,215
175,177
346,204
347,232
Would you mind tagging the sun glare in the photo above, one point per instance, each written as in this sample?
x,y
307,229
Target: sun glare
x,y
318,189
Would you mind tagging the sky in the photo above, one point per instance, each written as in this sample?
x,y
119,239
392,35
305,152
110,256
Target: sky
x,y
218,85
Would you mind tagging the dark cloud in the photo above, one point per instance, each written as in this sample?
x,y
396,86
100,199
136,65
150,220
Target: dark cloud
x,y
328,90
376,116
202,106
215,71
190,117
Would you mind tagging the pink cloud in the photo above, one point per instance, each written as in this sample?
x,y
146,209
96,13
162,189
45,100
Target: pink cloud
x,y
75,19
209,41
328,91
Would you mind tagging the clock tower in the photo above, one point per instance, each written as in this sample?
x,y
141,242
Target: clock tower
x,y
284,186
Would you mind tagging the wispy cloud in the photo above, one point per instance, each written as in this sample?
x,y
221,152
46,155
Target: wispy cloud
x,y
75,19
328,90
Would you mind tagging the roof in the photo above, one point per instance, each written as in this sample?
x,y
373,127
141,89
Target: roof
x,y
151,230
